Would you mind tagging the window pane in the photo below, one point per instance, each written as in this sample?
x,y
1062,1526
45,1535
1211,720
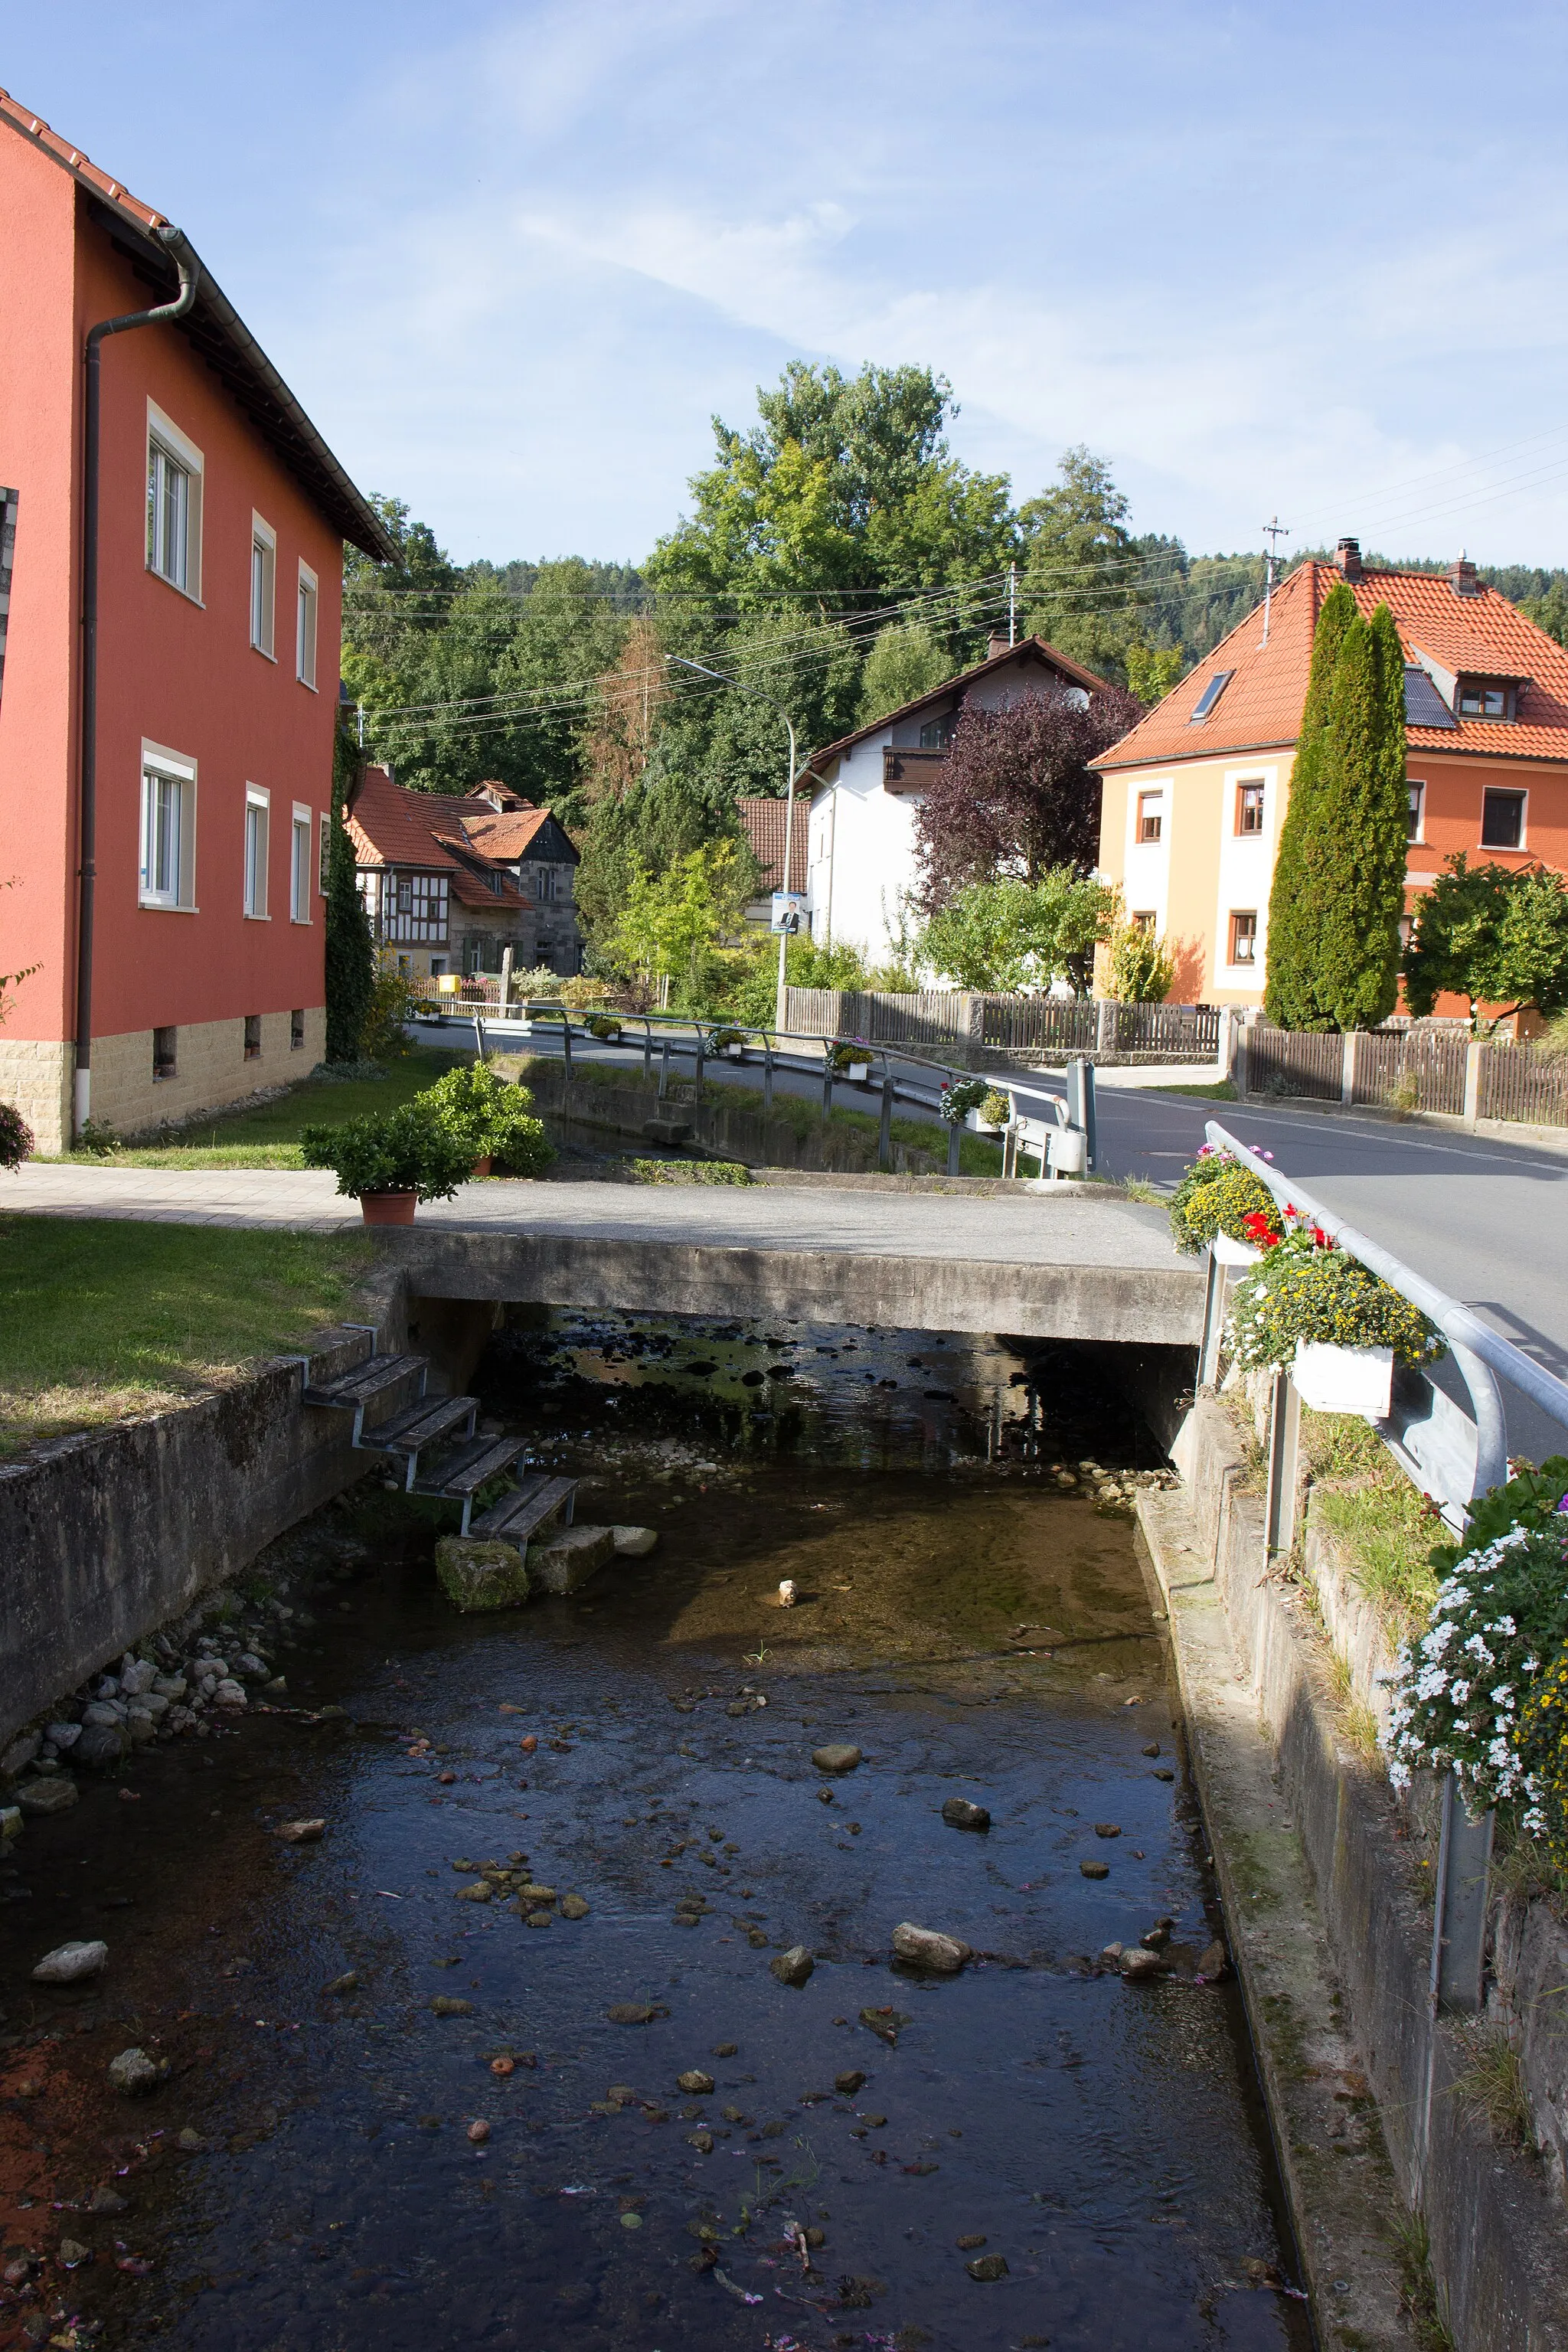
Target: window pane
x,y
1502,821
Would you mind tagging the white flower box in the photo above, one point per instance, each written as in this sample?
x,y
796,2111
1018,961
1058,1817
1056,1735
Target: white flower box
x,y
1228,1252
1345,1380
734,1052
858,1072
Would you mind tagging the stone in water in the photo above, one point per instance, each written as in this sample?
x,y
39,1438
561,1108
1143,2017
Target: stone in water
x,y
68,1963
299,1832
476,1575
793,1966
837,1756
927,1947
960,1814
787,1593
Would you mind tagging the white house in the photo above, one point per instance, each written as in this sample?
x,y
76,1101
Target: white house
x,y
860,834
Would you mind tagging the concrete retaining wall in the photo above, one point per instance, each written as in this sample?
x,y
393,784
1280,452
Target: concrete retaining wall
x,y
1498,2231
106,1536
723,1132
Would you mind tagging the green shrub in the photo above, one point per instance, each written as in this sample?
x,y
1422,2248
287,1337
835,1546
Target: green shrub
x,y
690,1172
606,1025
410,1150
1216,1195
491,1116
16,1137
996,1111
394,1001
1300,1290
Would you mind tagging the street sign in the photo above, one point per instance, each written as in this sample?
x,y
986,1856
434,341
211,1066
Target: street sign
x,y
788,911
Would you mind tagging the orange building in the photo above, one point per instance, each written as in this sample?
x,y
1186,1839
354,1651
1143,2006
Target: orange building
x,y
174,535
1195,794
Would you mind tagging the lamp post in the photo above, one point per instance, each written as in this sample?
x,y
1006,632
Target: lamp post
x,y
680,661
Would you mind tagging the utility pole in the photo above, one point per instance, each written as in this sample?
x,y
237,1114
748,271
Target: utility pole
x,y
1011,603
1273,530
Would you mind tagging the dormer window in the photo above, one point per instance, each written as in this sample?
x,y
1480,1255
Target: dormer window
x,y
1484,697
1211,695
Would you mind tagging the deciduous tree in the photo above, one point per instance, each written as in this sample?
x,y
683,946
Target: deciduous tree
x,y
1495,934
1012,934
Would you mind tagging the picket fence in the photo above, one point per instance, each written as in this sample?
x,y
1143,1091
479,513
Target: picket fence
x,y
1429,1068
947,1018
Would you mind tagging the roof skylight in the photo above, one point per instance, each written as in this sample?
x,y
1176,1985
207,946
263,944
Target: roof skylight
x,y
1211,694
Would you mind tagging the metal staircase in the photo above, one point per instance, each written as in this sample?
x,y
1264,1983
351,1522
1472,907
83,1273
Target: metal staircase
x,y
465,1463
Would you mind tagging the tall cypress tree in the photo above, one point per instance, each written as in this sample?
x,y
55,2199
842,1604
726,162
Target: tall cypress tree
x,y
1362,801
350,948
1290,996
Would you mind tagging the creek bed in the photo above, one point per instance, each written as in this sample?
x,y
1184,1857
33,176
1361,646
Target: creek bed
x,y
969,1632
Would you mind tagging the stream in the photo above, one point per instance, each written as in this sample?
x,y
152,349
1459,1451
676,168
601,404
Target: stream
x,y
331,2160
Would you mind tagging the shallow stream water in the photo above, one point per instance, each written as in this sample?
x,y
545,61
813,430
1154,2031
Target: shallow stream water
x,y
970,1626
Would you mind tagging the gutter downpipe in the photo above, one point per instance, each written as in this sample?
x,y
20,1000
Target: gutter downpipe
x,y
179,249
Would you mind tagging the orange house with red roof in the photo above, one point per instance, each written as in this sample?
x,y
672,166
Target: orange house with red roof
x,y
171,530
1195,794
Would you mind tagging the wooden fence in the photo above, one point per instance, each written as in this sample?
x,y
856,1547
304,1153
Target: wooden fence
x,y
1009,1024
1427,1067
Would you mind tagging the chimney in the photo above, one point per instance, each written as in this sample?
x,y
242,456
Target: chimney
x,y
997,643
1347,556
1462,576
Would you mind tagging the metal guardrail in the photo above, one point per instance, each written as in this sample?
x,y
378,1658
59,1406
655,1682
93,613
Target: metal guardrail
x,y
1420,1435
677,1035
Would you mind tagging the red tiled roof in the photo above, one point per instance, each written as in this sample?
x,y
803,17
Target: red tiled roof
x,y
1032,647
763,820
506,835
1482,636
390,826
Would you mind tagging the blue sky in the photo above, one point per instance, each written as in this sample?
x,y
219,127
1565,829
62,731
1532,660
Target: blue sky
x,y
1304,260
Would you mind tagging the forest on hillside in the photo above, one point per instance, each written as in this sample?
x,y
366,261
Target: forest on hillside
x,y
835,561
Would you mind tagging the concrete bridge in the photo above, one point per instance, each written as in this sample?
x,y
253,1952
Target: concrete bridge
x,y
1060,1262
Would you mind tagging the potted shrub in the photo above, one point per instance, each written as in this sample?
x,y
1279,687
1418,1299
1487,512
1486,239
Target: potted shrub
x,y
1222,1207
1339,1327
492,1116
605,1025
729,1042
960,1097
995,1112
392,1159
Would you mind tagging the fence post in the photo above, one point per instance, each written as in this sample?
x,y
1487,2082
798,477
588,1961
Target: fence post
x,y
1347,1068
974,1027
1284,1462
1473,1053
1105,1013
1240,1074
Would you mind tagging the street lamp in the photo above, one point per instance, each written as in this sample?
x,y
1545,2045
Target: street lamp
x,y
680,661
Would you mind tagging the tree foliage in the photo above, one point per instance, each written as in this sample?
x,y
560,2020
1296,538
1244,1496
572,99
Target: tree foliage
x,y
1143,967
674,926
1081,579
1495,934
1338,877
1015,797
1012,934
350,948
906,661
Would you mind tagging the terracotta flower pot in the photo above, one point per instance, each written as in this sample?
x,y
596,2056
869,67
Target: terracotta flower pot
x,y
388,1208
482,1167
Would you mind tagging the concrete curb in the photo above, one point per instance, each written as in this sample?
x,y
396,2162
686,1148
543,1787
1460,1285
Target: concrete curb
x,y
1328,2135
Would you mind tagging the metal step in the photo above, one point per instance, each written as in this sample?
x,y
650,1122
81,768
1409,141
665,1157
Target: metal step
x,y
519,1515
367,1380
466,1468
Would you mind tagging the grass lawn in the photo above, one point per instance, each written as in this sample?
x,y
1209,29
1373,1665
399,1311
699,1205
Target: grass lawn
x,y
104,1319
270,1137
1223,1090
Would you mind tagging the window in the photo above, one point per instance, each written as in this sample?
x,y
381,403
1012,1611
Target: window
x,y
936,734
297,1031
544,881
174,505
324,856
1417,809
1144,920
1250,807
165,1059
1243,938
1480,699
263,585
168,831
256,829
305,629
300,868
1502,821
1211,694
1151,815
253,1036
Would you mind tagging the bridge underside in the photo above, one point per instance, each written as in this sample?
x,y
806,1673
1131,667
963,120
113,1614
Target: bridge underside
x,y
1149,1306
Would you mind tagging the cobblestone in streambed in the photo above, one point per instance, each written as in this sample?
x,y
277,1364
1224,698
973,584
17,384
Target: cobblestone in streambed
x,y
399,2108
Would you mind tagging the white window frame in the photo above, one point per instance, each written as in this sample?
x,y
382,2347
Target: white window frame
x,y
255,871
307,623
162,767
1417,787
1234,963
300,889
263,587
324,855
165,440
1520,793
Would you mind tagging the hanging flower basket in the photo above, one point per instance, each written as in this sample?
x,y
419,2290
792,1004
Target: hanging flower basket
x,y
858,1072
1345,1380
1228,1251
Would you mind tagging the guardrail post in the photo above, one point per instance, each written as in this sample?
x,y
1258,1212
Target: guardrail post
x,y
885,1135
1080,1105
1284,1463
566,1045
1214,1324
663,1066
647,1050
955,1145
701,1049
1473,1052
827,1089
767,1075
1347,1068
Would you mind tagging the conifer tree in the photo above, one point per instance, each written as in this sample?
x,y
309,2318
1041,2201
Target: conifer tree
x,y
350,948
1289,998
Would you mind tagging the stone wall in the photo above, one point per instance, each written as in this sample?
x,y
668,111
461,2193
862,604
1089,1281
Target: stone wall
x,y
726,1132
36,1074
211,1072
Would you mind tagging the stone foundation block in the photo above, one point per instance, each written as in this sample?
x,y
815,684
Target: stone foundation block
x,y
571,1558
475,1575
